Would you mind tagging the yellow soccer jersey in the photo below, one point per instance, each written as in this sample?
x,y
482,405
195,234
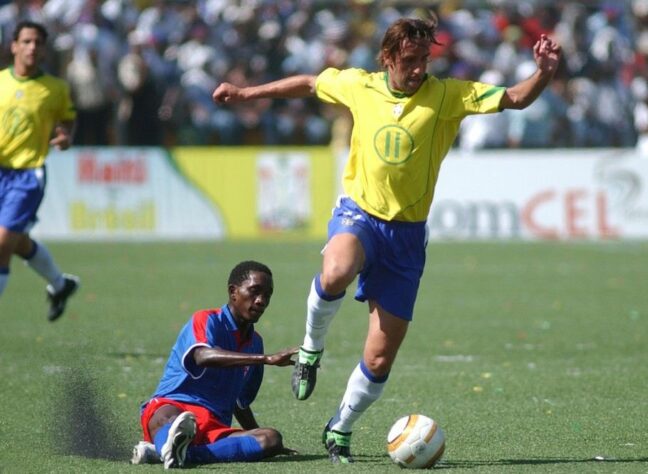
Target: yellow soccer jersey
x,y
398,142
29,110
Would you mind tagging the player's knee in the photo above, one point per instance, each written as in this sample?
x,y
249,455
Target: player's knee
x,y
336,278
163,415
379,366
270,440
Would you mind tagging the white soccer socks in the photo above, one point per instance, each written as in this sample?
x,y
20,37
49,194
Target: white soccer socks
x,y
362,390
41,262
321,308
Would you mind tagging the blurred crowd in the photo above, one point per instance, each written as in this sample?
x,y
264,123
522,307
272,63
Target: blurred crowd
x,y
142,71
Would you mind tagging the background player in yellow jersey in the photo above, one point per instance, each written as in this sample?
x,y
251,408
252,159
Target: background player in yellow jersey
x,y
35,112
404,123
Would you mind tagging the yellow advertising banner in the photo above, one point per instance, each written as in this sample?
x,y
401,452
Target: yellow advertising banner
x,y
264,192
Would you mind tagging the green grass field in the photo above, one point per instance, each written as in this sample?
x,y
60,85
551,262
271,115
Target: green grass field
x,y
532,357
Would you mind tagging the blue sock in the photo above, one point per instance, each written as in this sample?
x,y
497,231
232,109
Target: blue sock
x,y
232,449
160,437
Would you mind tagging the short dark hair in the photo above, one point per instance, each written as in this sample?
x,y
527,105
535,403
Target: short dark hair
x,y
241,272
412,29
42,32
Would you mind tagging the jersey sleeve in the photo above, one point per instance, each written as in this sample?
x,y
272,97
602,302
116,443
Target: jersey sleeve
x,y
197,333
469,98
336,86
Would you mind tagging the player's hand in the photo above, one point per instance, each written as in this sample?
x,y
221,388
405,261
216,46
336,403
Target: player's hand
x,y
288,452
546,53
282,358
227,93
62,138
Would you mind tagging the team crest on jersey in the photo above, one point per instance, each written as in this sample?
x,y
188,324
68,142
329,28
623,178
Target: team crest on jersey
x,y
397,111
19,94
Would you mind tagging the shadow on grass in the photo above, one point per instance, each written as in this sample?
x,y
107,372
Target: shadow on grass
x,y
82,422
454,464
362,458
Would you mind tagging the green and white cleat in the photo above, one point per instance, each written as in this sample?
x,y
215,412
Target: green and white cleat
x,y
338,445
304,374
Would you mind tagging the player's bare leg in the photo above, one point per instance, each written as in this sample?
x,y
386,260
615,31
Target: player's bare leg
x,y
367,381
343,260
8,242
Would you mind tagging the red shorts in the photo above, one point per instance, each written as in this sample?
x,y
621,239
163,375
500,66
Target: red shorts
x,y
209,428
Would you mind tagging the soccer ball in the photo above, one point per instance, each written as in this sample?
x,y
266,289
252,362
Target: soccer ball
x,y
415,441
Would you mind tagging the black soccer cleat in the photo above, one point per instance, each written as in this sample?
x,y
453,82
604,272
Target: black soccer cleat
x,y
304,374
338,445
58,300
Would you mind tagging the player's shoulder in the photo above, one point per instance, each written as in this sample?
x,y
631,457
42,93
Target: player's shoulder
x,y
52,81
351,74
208,313
5,74
208,316
451,81
453,87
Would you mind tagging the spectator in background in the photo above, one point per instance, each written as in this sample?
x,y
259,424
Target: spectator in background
x,y
274,39
640,92
92,97
537,125
139,107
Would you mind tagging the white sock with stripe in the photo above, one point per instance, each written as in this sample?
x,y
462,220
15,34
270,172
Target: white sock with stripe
x,y
321,308
362,390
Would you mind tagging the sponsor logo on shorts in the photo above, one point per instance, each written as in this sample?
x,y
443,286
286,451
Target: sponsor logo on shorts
x,y
349,217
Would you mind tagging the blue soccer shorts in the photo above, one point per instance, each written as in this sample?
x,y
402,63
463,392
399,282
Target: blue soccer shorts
x,y
395,256
21,194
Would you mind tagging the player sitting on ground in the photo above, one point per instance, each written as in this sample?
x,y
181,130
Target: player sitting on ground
x,y
213,373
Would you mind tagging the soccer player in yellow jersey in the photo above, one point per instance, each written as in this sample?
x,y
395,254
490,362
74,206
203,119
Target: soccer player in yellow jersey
x,y
404,123
36,112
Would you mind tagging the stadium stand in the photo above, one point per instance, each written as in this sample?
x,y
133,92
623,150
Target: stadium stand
x,y
142,72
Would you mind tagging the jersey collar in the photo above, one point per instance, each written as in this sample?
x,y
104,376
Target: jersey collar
x,y
231,323
38,74
397,94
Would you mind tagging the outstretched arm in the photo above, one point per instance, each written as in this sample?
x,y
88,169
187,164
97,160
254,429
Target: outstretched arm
x,y
217,357
293,87
546,54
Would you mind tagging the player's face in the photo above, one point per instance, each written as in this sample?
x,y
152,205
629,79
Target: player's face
x,y
407,68
249,300
28,50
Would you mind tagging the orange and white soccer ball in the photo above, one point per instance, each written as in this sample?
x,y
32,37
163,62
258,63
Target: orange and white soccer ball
x,y
415,441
